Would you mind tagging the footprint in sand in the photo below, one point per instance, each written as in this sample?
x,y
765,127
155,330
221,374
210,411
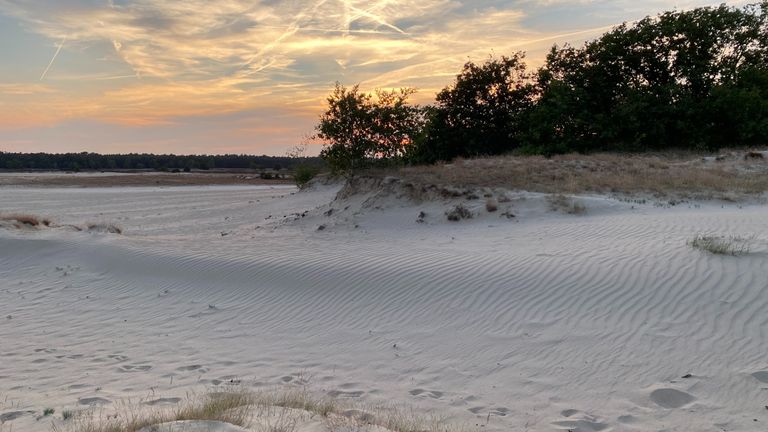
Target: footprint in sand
x,y
581,422
199,368
13,415
761,376
434,394
94,401
134,368
493,411
671,398
120,358
581,425
163,401
345,394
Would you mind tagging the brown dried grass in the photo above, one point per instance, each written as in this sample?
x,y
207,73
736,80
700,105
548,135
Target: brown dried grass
x,y
25,219
660,174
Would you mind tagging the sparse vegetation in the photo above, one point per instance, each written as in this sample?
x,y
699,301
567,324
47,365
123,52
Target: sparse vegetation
x,y
458,213
67,414
303,174
276,410
104,227
564,204
48,411
721,245
20,219
687,175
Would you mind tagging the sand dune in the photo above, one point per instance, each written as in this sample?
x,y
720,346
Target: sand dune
x,y
545,321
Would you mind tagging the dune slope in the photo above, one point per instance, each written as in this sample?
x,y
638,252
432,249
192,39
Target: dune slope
x,y
601,321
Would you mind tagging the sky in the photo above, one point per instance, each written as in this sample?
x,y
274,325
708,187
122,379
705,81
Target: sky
x,y
237,76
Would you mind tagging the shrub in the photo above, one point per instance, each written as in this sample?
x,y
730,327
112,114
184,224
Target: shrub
x,y
721,245
361,129
104,227
303,174
458,213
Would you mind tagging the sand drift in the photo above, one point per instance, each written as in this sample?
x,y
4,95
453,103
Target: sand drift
x,y
601,321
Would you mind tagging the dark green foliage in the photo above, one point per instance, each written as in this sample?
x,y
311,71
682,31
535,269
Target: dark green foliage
x,y
360,129
482,113
94,161
695,79
303,174
683,79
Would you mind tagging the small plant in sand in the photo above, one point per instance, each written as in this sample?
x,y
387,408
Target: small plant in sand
x,y
565,204
67,414
721,245
48,411
104,227
29,220
458,213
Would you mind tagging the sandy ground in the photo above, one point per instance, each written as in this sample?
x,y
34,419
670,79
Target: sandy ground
x,y
605,320
118,179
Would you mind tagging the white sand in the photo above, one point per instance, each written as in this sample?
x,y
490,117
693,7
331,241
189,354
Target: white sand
x,y
542,322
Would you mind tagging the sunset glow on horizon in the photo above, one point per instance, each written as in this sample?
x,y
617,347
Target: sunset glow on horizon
x,y
236,76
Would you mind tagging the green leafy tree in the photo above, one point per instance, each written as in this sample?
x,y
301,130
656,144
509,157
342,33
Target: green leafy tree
x,y
650,85
481,113
360,129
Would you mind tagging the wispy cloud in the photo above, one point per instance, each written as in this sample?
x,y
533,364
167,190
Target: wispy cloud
x,y
56,54
149,62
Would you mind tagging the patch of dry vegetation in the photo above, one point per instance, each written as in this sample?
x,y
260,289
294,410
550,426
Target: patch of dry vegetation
x,y
693,175
458,213
231,406
23,219
277,410
721,245
564,204
104,227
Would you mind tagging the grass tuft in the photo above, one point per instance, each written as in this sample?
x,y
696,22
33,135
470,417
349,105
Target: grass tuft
x,y
565,204
104,227
721,245
23,219
458,213
275,410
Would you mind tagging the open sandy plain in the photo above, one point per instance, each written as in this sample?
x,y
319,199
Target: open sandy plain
x,y
582,313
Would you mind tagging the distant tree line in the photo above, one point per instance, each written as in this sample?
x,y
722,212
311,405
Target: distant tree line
x,y
694,79
135,161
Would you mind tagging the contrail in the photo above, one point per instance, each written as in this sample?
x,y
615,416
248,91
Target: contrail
x,y
53,59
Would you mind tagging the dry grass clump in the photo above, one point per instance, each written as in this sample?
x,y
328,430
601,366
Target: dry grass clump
x,y
565,204
104,227
695,175
458,213
231,406
277,410
298,398
22,219
721,245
